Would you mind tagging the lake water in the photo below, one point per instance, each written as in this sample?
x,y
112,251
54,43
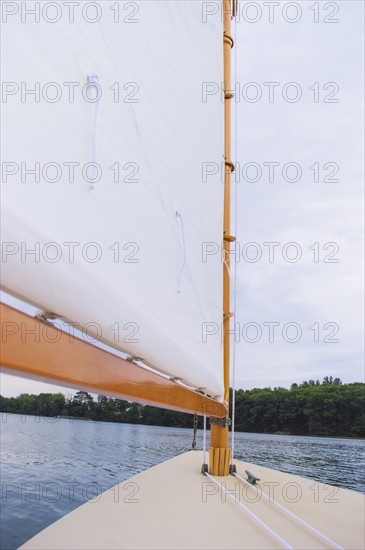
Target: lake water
x,y
51,466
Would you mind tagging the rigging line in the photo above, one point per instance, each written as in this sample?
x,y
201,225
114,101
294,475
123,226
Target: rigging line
x,y
195,427
204,438
94,80
226,263
183,246
235,263
228,268
253,516
294,516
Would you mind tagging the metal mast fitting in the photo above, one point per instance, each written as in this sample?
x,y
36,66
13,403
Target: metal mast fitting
x,y
219,452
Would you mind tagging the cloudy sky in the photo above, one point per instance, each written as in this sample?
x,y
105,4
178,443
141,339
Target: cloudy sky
x,y
300,174
310,133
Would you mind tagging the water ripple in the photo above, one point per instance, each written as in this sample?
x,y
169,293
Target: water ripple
x,y
51,467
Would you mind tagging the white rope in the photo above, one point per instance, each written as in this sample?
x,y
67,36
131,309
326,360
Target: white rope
x,y
94,79
253,516
183,246
204,438
294,516
227,266
235,263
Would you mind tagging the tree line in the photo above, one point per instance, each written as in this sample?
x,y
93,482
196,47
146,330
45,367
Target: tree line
x,y
327,408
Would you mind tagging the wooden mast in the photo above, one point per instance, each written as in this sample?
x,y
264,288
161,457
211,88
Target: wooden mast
x,y
219,452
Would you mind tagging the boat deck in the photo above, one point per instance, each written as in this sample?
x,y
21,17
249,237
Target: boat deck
x,y
173,506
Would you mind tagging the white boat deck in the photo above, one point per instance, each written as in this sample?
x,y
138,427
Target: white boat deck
x,y
173,506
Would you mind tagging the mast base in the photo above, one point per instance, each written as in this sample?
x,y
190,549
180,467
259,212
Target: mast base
x,y
219,461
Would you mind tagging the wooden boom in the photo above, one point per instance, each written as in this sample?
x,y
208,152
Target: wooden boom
x,y
40,350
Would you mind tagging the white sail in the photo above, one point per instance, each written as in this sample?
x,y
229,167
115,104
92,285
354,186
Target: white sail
x,y
121,257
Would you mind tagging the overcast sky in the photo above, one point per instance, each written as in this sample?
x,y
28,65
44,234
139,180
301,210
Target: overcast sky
x,y
325,63
303,212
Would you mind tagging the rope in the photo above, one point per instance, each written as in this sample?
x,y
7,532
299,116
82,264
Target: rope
x,y
183,246
195,427
294,516
235,263
227,266
204,438
94,79
251,514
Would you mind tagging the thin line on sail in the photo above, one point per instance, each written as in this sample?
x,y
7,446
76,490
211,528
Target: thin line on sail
x,y
183,246
94,80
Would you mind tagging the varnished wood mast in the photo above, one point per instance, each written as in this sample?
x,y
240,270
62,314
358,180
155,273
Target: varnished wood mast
x,y
219,452
43,351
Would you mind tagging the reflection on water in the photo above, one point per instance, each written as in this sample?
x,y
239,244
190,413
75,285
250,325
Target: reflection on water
x,y
51,466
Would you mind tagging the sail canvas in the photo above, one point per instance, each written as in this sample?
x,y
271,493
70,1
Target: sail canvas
x,y
105,210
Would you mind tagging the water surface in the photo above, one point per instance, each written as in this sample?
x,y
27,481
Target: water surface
x,y
51,466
